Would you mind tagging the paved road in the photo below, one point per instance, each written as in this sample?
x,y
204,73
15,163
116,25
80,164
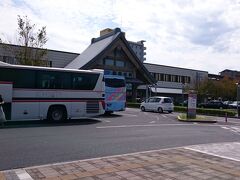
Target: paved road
x,y
125,132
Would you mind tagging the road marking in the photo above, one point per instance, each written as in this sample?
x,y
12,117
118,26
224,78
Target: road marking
x,y
157,118
132,109
23,175
155,125
232,128
132,115
107,121
146,113
152,122
221,150
164,116
143,125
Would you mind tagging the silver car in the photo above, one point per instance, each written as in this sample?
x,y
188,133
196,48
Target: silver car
x,y
158,104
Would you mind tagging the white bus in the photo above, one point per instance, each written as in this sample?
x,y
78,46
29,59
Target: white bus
x,y
51,93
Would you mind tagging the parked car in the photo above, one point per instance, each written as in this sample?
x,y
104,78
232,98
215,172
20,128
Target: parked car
x,y
158,104
234,105
214,105
227,102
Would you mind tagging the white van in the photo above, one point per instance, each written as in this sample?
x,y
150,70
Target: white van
x,y
158,104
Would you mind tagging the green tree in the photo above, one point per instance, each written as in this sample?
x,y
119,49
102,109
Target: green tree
x,y
31,42
224,88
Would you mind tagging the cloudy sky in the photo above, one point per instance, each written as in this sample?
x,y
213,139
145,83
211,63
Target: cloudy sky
x,y
198,34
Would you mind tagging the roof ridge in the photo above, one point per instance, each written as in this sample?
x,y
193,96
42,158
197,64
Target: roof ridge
x,y
115,31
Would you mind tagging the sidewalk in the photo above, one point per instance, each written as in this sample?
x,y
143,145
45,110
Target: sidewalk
x,y
188,163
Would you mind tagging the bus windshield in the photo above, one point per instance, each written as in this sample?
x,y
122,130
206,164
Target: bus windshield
x,y
114,82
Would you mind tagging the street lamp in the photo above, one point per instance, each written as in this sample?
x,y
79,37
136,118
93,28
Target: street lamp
x,y
237,100
183,86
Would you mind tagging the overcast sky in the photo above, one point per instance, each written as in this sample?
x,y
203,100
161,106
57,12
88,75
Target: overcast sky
x,y
198,34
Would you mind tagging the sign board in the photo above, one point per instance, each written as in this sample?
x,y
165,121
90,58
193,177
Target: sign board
x,y
192,105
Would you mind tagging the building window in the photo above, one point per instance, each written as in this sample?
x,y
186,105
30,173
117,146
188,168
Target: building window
x,y
182,79
161,77
176,78
168,77
109,62
120,64
155,76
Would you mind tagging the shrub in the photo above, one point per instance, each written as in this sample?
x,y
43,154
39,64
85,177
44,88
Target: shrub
x,y
180,109
133,105
211,112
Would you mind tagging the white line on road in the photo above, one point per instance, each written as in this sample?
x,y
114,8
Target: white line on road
x,y
164,116
107,121
157,125
225,127
132,109
152,122
143,125
132,115
222,153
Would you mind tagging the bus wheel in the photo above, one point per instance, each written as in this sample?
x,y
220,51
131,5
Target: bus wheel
x,y
57,113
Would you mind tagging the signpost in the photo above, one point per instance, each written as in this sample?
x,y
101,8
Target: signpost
x,y
192,105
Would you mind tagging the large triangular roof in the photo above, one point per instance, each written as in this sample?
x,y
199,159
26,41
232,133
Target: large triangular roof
x,y
99,46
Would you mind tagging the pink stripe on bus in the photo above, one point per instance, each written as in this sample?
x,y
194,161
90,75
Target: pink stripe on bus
x,y
57,100
5,82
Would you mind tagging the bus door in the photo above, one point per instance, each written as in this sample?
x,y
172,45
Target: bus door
x,y
6,90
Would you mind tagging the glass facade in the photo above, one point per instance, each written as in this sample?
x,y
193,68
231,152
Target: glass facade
x,y
171,78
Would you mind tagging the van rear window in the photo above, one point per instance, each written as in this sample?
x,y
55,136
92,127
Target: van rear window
x,y
167,100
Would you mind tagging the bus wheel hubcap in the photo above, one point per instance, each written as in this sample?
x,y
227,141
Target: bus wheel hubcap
x,y
57,115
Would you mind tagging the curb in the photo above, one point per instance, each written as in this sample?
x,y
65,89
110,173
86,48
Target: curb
x,y
198,121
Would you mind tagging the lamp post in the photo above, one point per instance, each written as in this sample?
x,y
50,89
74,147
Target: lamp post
x,y
183,84
237,100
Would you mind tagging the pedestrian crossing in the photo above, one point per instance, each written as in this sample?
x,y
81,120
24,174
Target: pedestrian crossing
x,y
235,129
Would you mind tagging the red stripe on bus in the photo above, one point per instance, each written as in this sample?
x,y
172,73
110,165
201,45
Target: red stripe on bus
x,y
20,101
22,89
5,82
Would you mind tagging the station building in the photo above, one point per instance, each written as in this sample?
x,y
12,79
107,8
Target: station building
x,y
118,56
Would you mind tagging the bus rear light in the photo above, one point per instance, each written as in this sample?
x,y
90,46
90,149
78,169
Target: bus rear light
x,y
103,104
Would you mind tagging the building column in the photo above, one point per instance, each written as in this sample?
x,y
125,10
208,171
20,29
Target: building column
x,y
134,92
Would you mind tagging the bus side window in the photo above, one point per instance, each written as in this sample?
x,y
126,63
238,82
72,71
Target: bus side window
x,y
77,82
83,81
45,84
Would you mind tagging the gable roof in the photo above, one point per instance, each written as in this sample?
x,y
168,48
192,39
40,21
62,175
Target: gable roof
x,y
100,45
95,48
